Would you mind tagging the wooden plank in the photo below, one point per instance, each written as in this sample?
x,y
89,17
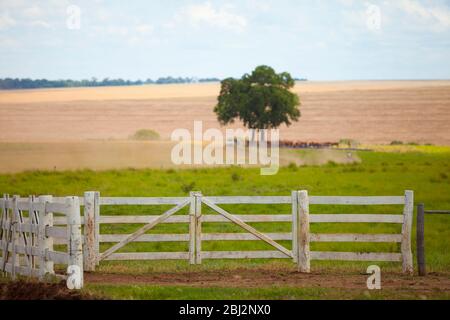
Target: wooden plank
x,y
198,228
356,218
45,243
21,249
14,256
56,232
57,207
243,255
22,227
145,238
143,219
357,200
75,249
62,221
97,227
32,225
142,201
192,226
408,210
420,236
249,218
24,271
437,212
294,234
58,257
388,238
248,228
144,229
5,233
249,200
58,199
244,236
354,256
304,259
149,256
90,237
25,240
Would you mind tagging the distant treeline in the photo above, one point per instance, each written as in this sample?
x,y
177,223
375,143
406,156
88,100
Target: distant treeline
x,y
9,83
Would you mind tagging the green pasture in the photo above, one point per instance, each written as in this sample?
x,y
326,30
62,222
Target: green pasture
x,y
425,170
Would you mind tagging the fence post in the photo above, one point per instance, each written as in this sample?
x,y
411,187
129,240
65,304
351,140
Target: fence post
x,y
198,228
407,260
45,243
75,246
294,226
421,240
304,263
15,258
4,231
91,230
192,227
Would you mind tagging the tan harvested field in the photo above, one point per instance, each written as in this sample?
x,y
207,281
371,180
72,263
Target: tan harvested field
x,y
370,112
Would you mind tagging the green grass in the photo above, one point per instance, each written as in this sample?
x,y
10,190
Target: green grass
x,y
149,292
425,170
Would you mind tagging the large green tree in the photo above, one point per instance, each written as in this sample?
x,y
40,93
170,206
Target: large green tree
x,y
261,100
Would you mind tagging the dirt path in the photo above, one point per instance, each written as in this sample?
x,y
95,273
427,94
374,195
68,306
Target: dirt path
x,y
264,278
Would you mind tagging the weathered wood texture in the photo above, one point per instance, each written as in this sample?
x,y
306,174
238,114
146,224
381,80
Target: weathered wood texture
x,y
74,234
407,259
304,259
27,235
420,236
46,266
91,235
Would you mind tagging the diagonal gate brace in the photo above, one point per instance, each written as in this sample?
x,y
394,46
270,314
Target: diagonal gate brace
x,y
144,229
250,229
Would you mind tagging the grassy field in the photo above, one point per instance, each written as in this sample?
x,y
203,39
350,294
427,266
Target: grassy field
x,y
422,169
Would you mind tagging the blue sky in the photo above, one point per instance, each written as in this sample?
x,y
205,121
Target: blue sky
x,y
140,39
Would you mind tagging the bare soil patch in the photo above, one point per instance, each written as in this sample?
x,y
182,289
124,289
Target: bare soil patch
x,y
266,278
30,290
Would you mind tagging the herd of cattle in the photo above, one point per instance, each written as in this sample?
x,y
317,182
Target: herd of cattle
x,y
301,144
307,145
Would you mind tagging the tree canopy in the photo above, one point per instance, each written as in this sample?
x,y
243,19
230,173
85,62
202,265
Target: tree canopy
x,y
261,100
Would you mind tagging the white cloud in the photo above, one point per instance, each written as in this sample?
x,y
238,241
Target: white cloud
x,y
33,12
40,24
6,21
207,14
144,29
436,16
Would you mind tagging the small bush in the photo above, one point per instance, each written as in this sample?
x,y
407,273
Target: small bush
x,y
236,177
350,143
188,187
145,135
396,143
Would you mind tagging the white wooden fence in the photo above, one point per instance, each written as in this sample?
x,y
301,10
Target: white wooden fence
x,y
43,231
28,235
300,235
